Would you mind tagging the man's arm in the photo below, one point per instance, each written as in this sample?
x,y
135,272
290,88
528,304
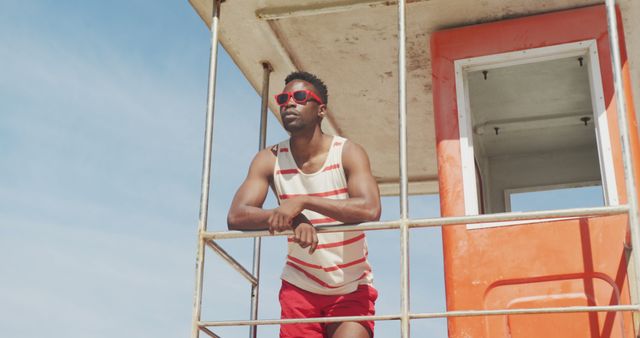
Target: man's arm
x,y
363,204
246,211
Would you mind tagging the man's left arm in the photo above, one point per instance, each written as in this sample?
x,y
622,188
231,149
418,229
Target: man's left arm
x,y
363,204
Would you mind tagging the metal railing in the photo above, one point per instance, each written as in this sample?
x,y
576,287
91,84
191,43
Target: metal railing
x,y
210,238
404,224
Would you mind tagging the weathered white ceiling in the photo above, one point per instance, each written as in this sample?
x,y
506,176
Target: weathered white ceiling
x,y
352,46
536,108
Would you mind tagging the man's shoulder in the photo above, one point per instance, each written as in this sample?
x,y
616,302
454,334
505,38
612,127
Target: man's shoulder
x,y
354,156
266,157
278,147
268,152
351,146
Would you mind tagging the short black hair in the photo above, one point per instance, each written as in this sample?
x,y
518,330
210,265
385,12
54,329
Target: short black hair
x,y
320,87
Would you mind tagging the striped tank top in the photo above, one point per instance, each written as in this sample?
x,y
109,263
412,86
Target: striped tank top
x,y
339,263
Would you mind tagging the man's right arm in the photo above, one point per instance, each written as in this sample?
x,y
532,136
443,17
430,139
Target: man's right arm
x,y
246,211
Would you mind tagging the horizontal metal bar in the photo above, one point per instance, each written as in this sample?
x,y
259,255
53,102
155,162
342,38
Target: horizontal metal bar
x,y
299,320
235,264
469,313
570,309
325,229
518,216
439,221
209,332
284,12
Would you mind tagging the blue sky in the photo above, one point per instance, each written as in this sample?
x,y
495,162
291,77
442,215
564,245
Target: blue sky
x,y
101,131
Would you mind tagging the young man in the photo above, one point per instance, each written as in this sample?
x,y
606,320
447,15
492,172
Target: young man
x,y
319,180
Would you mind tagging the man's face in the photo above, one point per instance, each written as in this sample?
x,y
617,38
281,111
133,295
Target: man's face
x,y
296,117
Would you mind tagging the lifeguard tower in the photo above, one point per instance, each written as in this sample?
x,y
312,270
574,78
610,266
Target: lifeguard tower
x,y
492,99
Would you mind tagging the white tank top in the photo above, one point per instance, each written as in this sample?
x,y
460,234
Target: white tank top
x,y
339,263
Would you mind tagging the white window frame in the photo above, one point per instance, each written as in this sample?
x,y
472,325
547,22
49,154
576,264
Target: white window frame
x,y
587,49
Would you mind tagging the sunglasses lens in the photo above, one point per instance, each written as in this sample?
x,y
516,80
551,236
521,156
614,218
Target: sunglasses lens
x,y
282,98
300,96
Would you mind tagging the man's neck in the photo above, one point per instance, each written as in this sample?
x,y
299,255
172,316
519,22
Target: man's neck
x,y
308,144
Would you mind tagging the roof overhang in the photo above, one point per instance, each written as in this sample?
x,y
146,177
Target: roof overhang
x,y
352,46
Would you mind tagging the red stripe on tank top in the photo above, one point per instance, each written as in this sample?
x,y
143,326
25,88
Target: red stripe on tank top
x,y
343,243
317,194
318,280
295,170
287,171
328,268
331,167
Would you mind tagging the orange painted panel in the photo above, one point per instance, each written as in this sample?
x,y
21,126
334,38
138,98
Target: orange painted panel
x,y
568,290
580,261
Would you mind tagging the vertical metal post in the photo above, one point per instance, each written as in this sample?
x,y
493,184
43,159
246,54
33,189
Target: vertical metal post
x,y
206,169
404,184
632,197
255,289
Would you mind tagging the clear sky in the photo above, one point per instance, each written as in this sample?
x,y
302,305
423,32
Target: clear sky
x,y
102,108
101,133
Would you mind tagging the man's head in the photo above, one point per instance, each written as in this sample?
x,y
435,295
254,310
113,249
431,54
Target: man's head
x,y
318,85
303,102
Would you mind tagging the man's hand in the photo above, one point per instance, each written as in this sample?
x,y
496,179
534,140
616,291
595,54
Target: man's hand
x,y
281,218
306,236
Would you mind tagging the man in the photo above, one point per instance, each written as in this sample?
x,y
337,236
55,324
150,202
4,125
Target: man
x,y
319,180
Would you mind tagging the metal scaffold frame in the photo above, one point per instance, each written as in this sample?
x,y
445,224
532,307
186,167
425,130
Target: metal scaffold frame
x,y
404,224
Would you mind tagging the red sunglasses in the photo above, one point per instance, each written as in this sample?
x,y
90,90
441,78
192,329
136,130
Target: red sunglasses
x,y
299,97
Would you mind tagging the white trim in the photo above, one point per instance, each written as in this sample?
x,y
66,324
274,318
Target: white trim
x,y
520,57
467,162
586,48
507,199
607,171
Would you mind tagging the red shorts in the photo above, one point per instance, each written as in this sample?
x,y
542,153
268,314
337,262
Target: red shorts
x,y
298,303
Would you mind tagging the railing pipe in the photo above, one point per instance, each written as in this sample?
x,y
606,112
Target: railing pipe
x,y
439,221
623,124
298,320
257,243
206,169
233,262
465,313
402,110
209,332
264,103
404,183
568,309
